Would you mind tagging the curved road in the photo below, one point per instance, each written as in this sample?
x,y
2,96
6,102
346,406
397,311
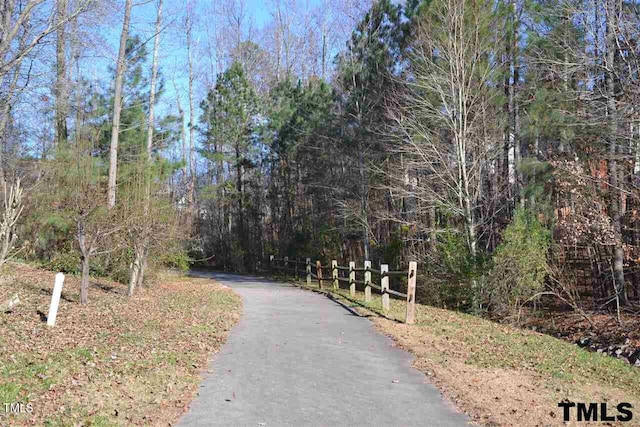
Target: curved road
x,y
299,359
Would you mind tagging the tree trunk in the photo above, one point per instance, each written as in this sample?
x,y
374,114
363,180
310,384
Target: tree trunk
x,y
85,254
61,87
84,281
136,267
241,231
61,74
612,139
117,107
192,113
141,262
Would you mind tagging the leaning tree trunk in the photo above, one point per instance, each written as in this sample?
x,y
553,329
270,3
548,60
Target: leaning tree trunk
x,y
117,107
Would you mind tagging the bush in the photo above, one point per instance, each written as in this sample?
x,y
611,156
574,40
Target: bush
x,y
519,263
66,262
175,257
457,273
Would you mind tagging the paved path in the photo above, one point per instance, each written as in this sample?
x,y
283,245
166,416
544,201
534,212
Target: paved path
x,y
299,359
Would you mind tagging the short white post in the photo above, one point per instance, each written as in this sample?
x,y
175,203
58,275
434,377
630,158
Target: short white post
x,y
367,281
384,284
352,278
55,299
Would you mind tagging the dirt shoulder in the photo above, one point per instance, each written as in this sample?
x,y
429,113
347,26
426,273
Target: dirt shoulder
x,y
501,375
117,361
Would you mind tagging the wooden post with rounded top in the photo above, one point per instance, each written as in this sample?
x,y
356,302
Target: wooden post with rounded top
x,y
367,281
384,284
334,274
352,278
411,293
319,273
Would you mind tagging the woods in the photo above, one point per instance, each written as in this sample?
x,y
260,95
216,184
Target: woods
x,y
495,143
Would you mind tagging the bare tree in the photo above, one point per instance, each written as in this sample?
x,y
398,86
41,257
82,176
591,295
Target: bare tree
x,y
61,73
612,137
141,246
445,139
12,209
117,106
192,111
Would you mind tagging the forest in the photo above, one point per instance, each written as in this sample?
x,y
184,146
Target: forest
x,y
496,143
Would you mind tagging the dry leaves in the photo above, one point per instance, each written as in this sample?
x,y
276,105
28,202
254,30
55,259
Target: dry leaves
x,y
118,360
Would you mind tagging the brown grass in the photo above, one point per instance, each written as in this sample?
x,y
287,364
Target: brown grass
x,y
117,361
502,375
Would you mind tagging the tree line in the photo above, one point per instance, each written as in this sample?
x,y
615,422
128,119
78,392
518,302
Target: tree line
x,y
495,142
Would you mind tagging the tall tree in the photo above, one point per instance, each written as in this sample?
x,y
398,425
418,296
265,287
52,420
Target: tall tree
x,y
231,117
121,65
61,73
613,131
192,112
366,72
141,249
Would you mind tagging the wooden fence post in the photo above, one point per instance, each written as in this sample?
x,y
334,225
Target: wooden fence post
x,y
334,274
286,265
319,268
411,293
352,278
367,281
308,271
384,284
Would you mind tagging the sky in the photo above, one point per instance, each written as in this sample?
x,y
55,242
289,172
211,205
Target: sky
x,y
173,57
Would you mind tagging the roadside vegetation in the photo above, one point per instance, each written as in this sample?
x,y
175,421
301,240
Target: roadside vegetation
x,y
118,361
499,374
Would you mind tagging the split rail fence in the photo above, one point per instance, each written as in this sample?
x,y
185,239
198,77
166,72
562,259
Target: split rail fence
x,y
349,274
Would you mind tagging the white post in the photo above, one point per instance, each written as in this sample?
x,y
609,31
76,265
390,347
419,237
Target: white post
x,y
367,281
55,299
384,284
352,278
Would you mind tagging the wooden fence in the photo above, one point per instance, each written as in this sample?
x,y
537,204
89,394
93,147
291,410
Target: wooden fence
x,y
349,275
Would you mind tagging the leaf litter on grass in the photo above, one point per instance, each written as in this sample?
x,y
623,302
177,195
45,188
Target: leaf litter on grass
x,y
116,361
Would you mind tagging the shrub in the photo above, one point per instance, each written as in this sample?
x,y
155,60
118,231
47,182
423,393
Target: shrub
x,y
457,273
175,257
519,263
65,262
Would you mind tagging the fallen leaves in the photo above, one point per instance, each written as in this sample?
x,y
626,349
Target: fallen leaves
x,y
119,360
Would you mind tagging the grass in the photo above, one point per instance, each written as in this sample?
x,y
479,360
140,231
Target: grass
x,y
500,375
117,361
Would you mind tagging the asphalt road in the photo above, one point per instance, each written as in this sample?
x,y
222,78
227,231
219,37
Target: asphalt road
x,y
296,358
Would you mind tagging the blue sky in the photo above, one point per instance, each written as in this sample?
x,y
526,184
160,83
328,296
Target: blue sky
x,y
173,52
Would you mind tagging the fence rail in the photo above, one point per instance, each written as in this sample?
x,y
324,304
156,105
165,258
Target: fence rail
x,y
366,271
